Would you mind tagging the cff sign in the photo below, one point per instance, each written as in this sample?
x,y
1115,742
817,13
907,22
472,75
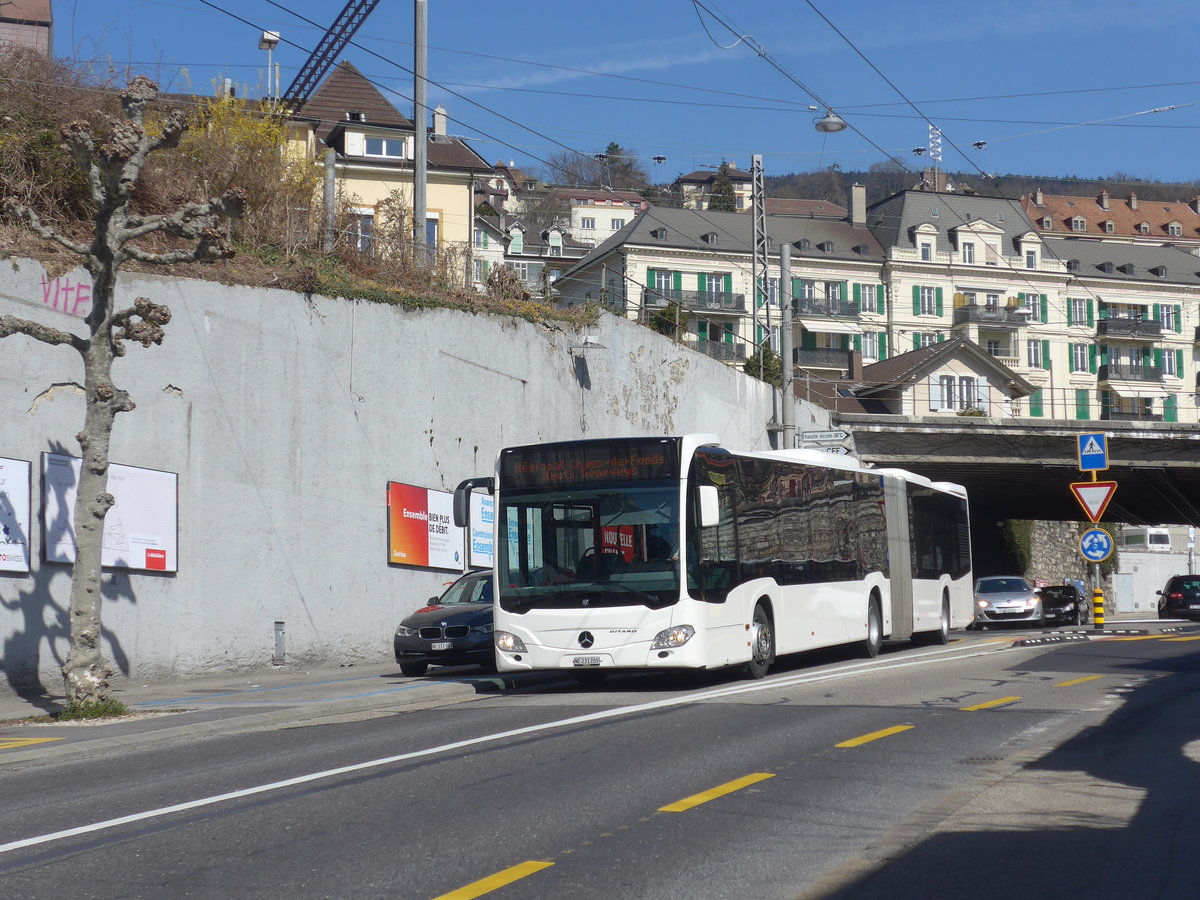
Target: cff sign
x,y
822,437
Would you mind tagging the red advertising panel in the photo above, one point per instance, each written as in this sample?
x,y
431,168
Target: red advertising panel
x,y
421,530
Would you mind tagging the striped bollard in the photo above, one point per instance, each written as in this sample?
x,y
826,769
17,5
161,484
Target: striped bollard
x,y
1098,609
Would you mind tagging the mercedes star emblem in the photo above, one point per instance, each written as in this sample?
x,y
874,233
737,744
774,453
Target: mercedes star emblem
x,y
586,640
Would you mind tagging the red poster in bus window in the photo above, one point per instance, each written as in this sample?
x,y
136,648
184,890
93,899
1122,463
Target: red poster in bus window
x,y
408,524
618,539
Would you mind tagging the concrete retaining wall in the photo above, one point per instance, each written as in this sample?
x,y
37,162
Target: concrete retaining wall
x,y
285,417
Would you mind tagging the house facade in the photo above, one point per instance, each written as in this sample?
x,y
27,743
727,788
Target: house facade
x,y
538,257
695,188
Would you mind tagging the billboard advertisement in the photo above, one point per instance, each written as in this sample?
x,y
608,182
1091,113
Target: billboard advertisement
x,y
421,530
141,530
483,530
14,514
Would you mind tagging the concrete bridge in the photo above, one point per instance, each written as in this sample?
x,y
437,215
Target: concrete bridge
x,y
1022,470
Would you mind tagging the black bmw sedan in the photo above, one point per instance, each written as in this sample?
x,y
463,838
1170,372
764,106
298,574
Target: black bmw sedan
x,y
454,629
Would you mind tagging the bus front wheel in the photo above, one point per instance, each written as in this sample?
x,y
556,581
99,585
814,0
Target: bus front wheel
x,y
874,638
762,644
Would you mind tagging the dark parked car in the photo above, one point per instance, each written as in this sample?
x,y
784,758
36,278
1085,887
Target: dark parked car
x,y
455,629
1063,603
1180,598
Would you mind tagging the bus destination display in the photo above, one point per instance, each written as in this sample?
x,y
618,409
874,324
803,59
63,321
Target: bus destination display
x,y
582,463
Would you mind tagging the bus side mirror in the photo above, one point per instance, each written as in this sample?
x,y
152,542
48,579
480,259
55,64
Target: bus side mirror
x,y
710,511
462,499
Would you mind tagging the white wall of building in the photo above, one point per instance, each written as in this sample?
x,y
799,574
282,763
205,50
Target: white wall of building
x,y
285,417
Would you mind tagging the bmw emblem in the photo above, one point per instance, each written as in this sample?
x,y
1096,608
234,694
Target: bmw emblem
x,y
586,640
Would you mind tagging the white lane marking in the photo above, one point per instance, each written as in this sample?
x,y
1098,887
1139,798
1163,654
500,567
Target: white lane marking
x,y
717,693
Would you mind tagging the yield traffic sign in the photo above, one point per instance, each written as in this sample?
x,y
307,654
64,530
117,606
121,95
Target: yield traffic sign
x,y
1094,496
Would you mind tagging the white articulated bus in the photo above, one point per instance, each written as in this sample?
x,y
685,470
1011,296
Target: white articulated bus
x,y
660,553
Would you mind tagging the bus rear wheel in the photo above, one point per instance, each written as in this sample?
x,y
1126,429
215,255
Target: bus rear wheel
x,y
942,634
762,644
874,639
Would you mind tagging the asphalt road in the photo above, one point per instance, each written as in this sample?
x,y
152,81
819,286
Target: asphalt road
x,y
975,770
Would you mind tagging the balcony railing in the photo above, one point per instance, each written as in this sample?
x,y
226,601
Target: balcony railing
x,y
1127,372
825,309
716,301
820,358
990,315
722,350
1129,327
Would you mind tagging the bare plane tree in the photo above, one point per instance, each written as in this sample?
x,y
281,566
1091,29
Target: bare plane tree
x,y
111,169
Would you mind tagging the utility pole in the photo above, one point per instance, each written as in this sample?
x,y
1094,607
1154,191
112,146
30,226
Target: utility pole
x,y
788,411
760,289
421,113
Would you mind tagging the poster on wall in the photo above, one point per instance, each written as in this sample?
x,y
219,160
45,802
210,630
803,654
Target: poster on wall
x,y
14,514
421,530
141,531
483,530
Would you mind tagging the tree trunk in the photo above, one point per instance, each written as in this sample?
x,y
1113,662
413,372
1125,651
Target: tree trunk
x,y
85,670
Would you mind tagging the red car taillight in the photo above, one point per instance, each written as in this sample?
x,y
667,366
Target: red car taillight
x,y
1175,595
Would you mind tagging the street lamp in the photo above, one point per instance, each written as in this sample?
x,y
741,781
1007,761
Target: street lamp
x,y
830,122
268,42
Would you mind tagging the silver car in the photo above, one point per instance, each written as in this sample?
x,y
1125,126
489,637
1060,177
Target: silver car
x,y
1007,598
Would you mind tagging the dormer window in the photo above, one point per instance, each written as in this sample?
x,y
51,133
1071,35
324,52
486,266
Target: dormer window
x,y
355,117
710,238
803,244
1160,271
933,211
659,234
1110,226
1047,222
1078,223
1072,265
1174,229
1127,269
825,246
388,148
1106,267
926,251
1144,227
861,249
517,242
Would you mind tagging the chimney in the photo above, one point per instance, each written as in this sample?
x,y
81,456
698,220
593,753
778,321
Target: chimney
x,y
1103,199
854,366
1194,204
439,121
1132,200
1037,197
512,163
858,204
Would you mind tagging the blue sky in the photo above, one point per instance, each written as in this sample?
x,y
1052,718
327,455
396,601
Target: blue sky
x,y
1057,88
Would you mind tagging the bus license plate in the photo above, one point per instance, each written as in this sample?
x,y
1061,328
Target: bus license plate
x,y
587,661
442,645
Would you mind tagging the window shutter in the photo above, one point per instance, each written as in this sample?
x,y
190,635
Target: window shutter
x,y
937,293
1082,406
1158,357
797,289
677,278
858,341
1045,354
1045,309
882,345
1035,403
1178,319
1170,408
702,330
940,337
651,281
1092,358
1156,313
1091,315
935,392
1178,363
808,340
728,283
1103,310
916,299
857,293
880,300
1070,317
844,292
702,283
916,342
1020,300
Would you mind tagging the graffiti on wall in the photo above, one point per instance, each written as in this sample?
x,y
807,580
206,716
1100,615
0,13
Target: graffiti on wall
x,y
68,295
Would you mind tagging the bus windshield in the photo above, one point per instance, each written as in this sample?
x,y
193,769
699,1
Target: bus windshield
x,y
601,546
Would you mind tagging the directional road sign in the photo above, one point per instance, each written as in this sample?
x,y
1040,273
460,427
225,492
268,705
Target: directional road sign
x,y
1095,545
823,437
1092,450
1094,496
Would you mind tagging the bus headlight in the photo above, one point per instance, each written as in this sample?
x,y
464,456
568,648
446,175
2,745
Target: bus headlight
x,y
509,643
676,636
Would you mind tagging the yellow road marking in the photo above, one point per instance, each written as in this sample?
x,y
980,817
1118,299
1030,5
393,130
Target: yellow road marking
x,y
14,743
1078,680
874,736
499,880
696,799
1194,638
1137,637
989,704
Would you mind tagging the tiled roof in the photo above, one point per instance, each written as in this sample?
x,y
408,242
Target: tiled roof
x,y
1138,264
791,206
582,193
905,368
36,12
1126,213
704,176
344,91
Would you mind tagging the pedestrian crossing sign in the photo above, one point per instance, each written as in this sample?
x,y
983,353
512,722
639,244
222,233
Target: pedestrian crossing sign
x,y
1092,451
